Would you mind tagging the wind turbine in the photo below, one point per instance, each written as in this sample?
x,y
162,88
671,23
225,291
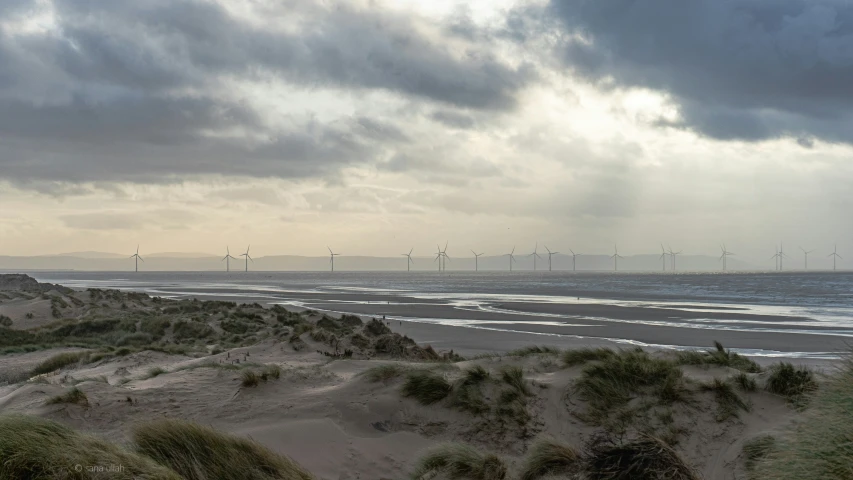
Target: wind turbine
x,y
248,257
781,255
574,259
476,260
776,257
806,252
672,255
535,255
438,255
511,258
616,258
227,259
725,255
409,260
663,256
332,256
550,254
446,256
834,256
138,258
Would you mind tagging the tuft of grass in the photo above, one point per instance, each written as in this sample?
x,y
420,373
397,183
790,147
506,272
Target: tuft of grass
x,y
745,382
583,355
756,449
791,382
154,372
514,377
533,350
74,396
426,387
250,378
728,400
644,458
58,361
197,452
456,461
547,457
475,375
36,448
718,356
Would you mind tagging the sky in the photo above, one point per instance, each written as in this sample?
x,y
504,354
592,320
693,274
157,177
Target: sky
x,y
377,126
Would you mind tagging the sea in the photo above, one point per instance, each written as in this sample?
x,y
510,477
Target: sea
x,y
778,314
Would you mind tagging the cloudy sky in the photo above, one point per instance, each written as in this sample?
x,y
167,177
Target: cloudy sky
x,y
375,126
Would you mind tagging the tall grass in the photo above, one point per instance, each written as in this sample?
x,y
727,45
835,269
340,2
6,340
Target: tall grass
x,y
197,452
457,461
719,356
643,458
533,350
426,387
821,444
729,403
36,448
789,381
58,361
547,457
583,355
73,396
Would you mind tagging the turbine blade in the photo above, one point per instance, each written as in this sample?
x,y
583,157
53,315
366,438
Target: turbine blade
x,y
142,259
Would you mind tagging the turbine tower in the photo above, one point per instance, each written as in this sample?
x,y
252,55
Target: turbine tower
x,y
248,257
511,258
781,255
672,255
137,259
806,253
616,258
227,259
663,257
535,255
438,255
574,259
550,254
725,255
476,260
409,260
332,256
445,256
834,256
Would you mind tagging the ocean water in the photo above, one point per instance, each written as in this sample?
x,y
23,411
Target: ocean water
x,y
793,314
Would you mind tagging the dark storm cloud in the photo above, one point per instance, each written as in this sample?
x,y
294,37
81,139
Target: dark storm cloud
x,y
740,69
139,90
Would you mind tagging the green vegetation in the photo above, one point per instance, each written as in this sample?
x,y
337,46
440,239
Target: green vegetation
x,y
5,321
720,357
533,350
728,401
583,355
514,377
547,457
426,387
456,461
73,396
197,452
35,448
252,378
383,373
821,444
609,386
745,382
756,449
792,382
58,361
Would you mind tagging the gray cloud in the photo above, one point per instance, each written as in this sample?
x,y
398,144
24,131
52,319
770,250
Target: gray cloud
x,y
453,119
746,70
139,91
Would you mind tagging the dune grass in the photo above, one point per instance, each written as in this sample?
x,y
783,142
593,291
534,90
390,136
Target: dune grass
x,y
821,444
36,448
610,384
383,373
457,461
643,458
533,350
198,452
73,396
792,382
729,403
58,361
745,382
718,356
514,377
426,387
583,355
155,372
757,448
253,378
549,458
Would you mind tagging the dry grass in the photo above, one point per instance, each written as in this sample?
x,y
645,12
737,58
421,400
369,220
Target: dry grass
x,y
456,461
35,448
74,396
197,452
58,361
547,458
644,458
